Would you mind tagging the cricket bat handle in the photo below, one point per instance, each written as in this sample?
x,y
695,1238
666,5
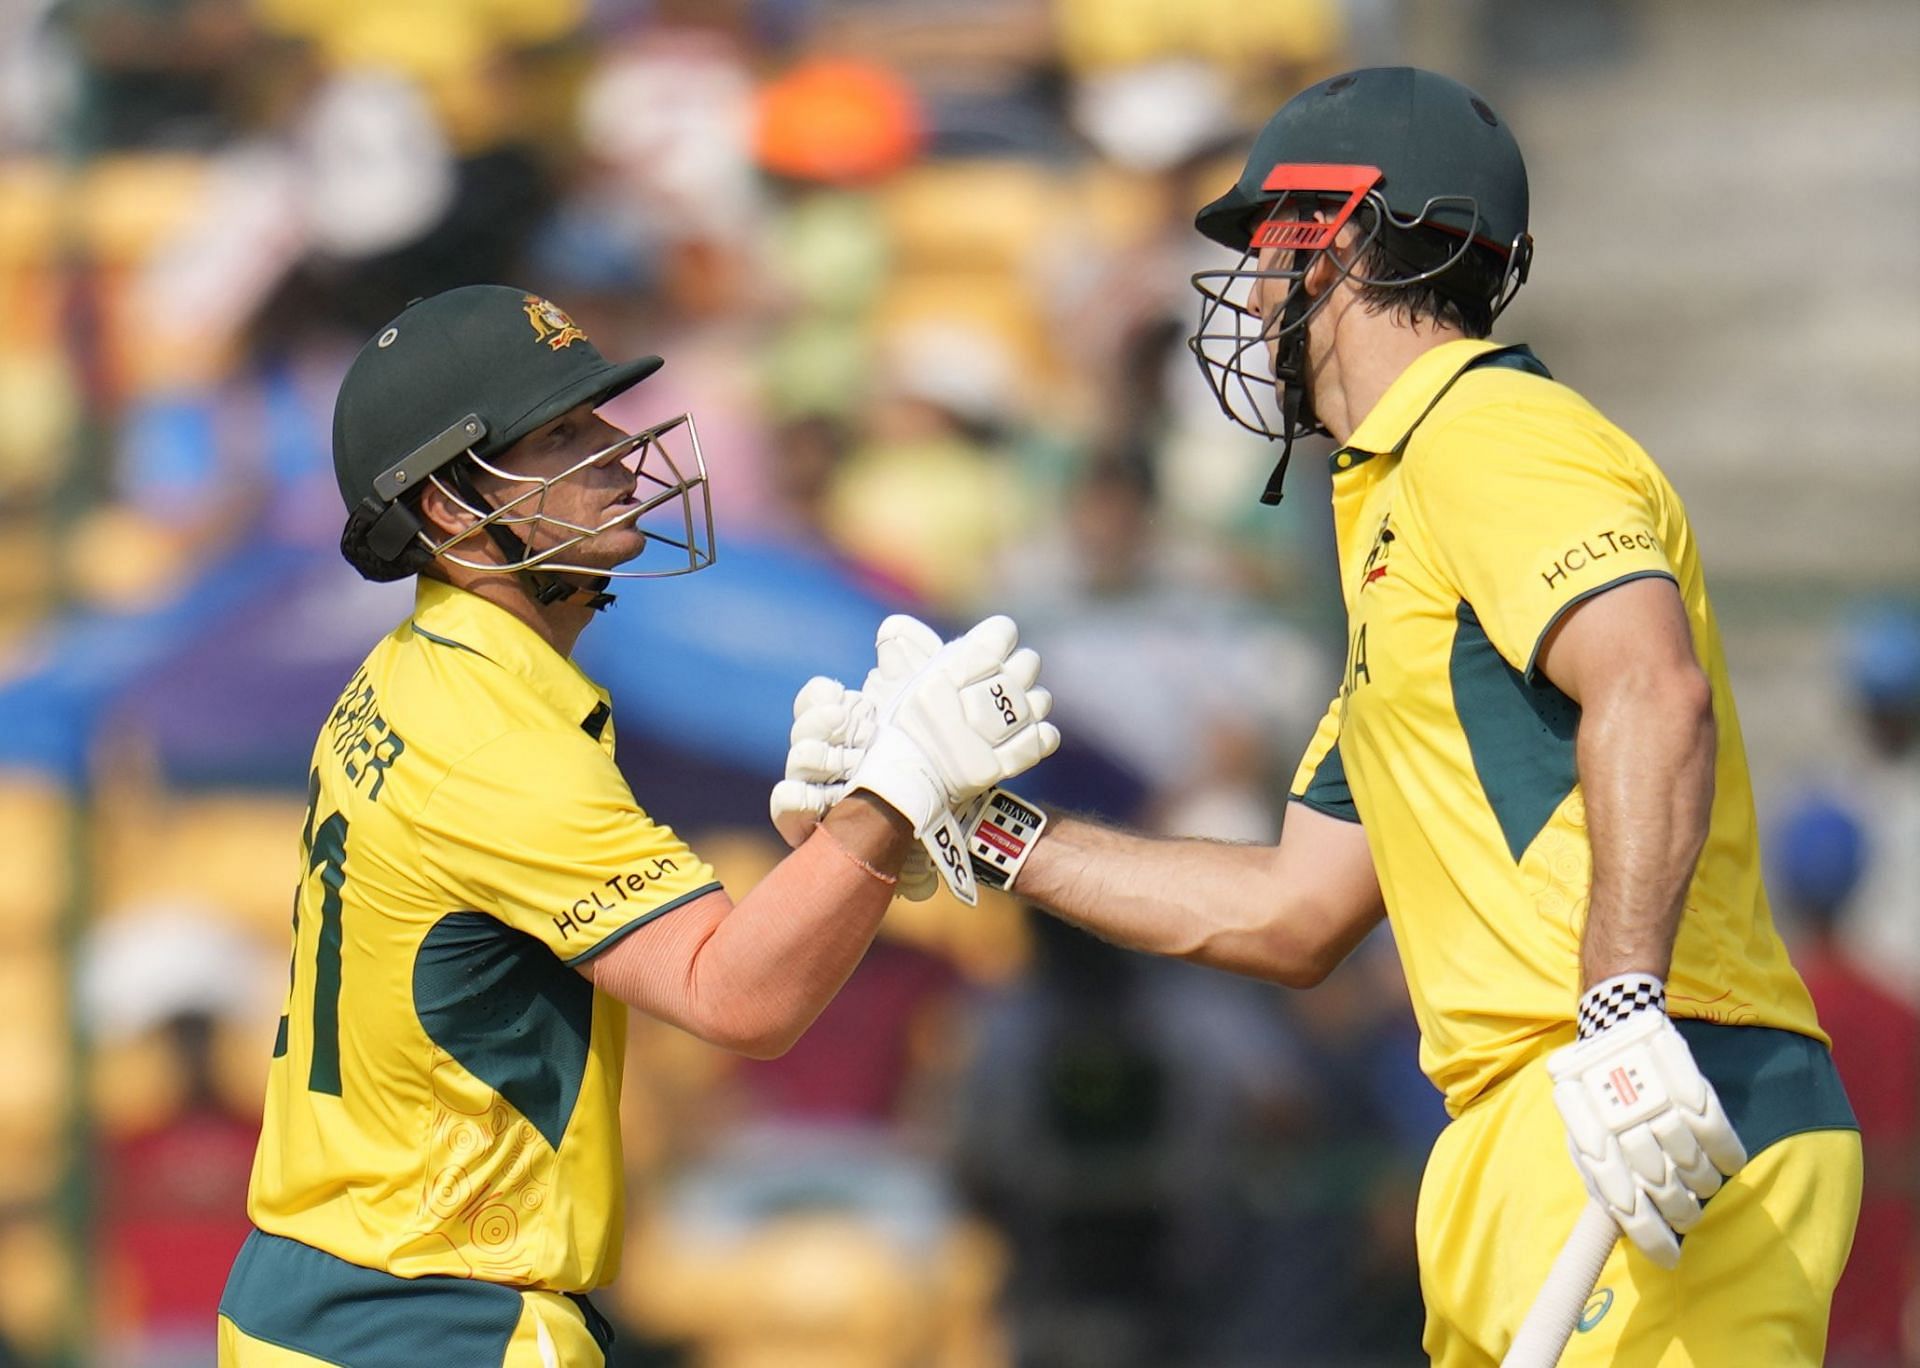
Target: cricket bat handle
x,y
1555,1312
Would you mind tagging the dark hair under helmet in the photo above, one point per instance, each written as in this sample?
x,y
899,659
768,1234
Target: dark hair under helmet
x,y
1422,166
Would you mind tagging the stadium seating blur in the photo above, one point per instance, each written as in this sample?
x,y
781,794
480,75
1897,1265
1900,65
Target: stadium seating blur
x,y
919,268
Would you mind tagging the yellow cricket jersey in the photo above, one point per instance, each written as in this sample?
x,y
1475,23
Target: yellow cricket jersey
x,y
1476,504
444,1094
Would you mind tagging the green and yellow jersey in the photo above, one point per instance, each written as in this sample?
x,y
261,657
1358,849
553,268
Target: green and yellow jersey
x,y
1475,505
444,1093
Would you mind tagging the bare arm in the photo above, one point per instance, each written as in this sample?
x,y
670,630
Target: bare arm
x,y
1288,913
752,976
1645,756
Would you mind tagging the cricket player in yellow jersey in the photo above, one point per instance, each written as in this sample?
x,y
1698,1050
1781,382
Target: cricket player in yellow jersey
x,y
1533,768
480,896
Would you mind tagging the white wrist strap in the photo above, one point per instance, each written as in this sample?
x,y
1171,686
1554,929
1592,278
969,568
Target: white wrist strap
x,y
1000,836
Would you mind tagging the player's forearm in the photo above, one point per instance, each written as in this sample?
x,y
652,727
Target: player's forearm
x,y
752,976
1645,756
1226,906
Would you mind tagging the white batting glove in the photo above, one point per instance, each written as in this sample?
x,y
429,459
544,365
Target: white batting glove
x,y
1644,1125
832,725
971,717
832,728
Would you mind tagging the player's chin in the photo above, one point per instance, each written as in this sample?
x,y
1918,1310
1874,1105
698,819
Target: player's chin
x,y
617,546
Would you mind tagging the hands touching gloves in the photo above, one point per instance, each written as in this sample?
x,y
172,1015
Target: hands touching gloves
x,y
931,732
1645,1127
832,727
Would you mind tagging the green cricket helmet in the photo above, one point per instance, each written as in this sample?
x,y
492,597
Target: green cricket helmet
x,y
447,387
1427,173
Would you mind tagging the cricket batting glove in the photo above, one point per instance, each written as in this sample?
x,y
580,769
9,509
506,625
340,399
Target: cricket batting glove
x,y
973,716
832,725
987,839
1644,1125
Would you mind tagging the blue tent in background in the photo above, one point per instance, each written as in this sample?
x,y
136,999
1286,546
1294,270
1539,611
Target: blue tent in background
x,y
229,687
710,662
703,670
68,680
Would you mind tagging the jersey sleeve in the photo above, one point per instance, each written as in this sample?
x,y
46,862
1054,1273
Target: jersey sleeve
x,y
1529,514
1321,780
539,830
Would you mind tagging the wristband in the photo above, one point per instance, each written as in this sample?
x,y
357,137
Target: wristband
x,y
1000,836
1612,1001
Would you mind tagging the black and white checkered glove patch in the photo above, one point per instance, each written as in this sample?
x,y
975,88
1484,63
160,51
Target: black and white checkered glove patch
x,y
1612,1002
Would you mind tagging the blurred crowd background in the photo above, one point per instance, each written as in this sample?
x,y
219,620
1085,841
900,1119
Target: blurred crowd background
x,y
919,270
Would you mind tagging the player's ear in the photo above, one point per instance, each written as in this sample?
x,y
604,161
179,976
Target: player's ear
x,y
441,514
1326,268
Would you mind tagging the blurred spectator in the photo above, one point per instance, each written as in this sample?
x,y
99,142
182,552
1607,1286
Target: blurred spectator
x,y
981,70
1107,1113
1285,41
920,268
1819,854
20,1242
38,76
1342,1178
928,496
159,73
837,121
864,1062
1882,787
1154,116
157,984
1154,654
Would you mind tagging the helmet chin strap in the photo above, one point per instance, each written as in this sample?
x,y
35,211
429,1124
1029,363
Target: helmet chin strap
x,y
1296,404
545,588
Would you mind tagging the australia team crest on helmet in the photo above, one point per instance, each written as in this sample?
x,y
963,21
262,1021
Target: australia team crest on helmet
x,y
551,323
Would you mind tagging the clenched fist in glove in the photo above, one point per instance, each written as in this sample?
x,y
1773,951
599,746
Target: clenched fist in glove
x,y
1646,1129
832,725
934,728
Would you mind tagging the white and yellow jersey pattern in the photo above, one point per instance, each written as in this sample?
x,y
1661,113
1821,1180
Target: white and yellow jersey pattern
x,y
444,1093
1477,503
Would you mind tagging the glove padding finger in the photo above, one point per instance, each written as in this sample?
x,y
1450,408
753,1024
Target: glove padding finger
x,y
1632,1210
1648,1162
958,727
819,691
797,807
1023,667
821,762
1027,747
980,654
1651,1235
1595,1149
1659,1179
902,646
1683,1152
848,723
1697,1103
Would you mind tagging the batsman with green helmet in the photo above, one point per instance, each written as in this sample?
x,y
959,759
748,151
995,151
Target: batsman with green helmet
x,y
1532,769
480,896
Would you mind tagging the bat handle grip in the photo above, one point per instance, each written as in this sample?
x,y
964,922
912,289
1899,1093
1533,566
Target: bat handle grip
x,y
1555,1313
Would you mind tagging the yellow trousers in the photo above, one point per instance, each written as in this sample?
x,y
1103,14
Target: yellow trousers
x,y
1753,1284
